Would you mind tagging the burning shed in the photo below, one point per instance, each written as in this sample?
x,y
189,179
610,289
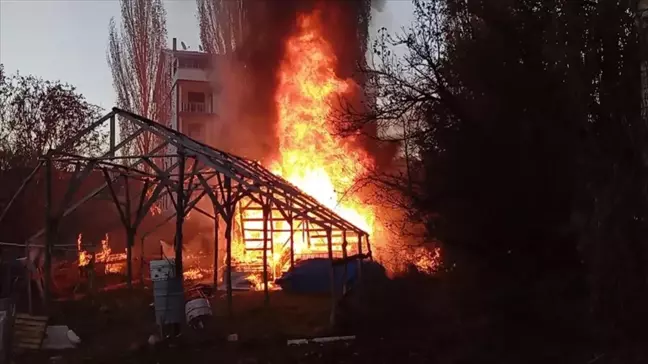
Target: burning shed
x,y
277,223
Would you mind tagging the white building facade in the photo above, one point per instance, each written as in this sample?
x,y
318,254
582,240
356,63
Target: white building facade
x,y
194,96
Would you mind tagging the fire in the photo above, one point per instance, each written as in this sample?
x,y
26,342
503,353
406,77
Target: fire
x,y
193,263
312,157
193,274
84,256
258,284
113,263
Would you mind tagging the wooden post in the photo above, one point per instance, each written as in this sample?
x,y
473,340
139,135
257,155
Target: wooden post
x,y
216,222
266,293
49,230
329,240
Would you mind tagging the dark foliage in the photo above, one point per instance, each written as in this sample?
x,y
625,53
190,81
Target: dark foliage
x,y
520,127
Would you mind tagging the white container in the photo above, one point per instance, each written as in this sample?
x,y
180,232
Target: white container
x,y
168,293
197,308
162,270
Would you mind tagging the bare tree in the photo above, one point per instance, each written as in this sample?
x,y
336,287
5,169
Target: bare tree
x,y
139,65
222,24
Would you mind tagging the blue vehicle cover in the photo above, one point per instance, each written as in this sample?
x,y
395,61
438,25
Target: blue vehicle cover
x,y
313,275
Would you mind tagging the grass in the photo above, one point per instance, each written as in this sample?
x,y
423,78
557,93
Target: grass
x,y
115,325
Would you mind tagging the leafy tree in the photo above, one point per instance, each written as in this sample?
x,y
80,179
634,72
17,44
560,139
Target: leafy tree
x,y
38,115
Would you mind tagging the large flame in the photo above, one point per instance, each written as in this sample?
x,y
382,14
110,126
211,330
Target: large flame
x,y
312,156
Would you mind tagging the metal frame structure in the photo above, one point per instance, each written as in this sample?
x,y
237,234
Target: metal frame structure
x,y
184,170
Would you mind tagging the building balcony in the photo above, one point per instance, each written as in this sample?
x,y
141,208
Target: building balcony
x,y
194,107
190,74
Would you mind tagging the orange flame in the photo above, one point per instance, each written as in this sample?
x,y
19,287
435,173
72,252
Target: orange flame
x,y
83,255
114,263
311,156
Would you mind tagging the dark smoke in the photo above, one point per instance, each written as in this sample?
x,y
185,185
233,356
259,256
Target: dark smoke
x,y
249,79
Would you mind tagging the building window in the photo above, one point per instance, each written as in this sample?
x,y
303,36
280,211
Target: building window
x,y
196,97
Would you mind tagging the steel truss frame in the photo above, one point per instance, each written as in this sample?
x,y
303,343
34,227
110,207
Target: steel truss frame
x,y
184,171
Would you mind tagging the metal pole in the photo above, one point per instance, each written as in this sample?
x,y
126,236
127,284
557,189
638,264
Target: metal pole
x,y
329,240
113,134
180,213
266,293
130,241
346,264
130,235
360,253
228,241
292,242
49,230
216,227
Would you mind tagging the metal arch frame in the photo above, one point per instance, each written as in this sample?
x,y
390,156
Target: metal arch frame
x,y
251,180
244,171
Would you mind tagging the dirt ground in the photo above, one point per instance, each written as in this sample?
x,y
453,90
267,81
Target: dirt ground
x,y
405,321
115,325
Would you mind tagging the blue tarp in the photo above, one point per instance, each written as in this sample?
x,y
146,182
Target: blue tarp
x,y
313,275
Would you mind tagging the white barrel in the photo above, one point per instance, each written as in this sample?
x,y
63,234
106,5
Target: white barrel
x,y
162,270
168,294
197,308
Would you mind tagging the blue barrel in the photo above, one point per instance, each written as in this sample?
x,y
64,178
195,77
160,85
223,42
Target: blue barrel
x,y
168,294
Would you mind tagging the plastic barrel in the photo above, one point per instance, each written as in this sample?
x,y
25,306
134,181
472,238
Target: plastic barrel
x,y
162,270
168,294
197,308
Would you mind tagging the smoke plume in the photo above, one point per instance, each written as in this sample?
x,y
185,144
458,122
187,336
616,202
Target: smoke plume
x,y
248,76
